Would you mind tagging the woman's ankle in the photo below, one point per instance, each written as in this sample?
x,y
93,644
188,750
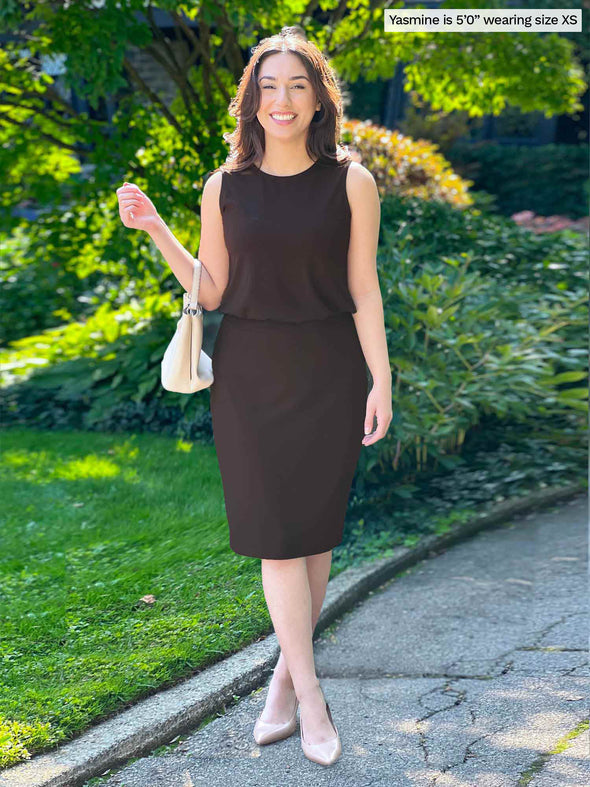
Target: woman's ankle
x,y
282,675
310,691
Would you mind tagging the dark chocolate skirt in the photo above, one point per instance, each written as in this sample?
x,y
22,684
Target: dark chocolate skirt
x,y
288,404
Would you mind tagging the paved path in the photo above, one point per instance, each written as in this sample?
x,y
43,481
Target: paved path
x,y
466,671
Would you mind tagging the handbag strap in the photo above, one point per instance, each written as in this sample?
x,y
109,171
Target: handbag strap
x,y
197,270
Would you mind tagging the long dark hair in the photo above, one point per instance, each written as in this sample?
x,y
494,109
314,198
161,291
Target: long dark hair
x,y
247,140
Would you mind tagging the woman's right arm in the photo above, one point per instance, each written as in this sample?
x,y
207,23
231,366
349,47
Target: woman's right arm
x,y
138,212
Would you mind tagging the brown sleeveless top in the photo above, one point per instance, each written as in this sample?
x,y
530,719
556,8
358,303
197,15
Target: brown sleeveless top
x,y
287,237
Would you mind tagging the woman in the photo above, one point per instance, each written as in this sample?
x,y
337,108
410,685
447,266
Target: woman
x,y
288,245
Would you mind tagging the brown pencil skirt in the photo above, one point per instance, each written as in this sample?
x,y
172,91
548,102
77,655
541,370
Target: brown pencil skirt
x,y
288,404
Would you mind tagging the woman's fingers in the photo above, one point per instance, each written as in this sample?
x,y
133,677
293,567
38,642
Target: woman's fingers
x,y
128,186
369,416
383,421
124,192
368,438
130,194
130,198
135,206
128,201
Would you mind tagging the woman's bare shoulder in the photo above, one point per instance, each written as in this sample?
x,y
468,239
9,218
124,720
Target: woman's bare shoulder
x,y
214,178
360,183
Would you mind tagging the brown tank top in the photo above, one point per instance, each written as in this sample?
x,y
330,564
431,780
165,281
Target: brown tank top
x,y
287,237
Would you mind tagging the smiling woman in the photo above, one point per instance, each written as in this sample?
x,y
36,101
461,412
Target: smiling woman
x,y
288,108
287,99
289,228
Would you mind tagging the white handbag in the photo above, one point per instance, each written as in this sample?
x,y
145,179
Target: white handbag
x,y
186,368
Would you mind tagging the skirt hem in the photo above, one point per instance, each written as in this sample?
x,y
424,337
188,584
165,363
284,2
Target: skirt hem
x,y
305,553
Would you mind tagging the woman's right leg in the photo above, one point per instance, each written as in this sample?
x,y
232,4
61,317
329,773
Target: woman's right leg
x,y
288,597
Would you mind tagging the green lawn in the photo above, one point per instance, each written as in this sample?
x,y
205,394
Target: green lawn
x,y
116,577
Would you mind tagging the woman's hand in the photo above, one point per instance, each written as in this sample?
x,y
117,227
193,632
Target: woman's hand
x,y
378,406
136,209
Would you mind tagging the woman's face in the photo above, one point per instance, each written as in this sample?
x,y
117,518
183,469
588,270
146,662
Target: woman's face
x,y
285,90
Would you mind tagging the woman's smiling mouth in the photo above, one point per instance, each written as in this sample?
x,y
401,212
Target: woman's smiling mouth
x,y
283,118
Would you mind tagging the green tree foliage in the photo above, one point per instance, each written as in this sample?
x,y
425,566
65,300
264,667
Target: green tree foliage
x,y
48,145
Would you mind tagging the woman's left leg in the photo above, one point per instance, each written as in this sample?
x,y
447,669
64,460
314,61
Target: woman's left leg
x,y
281,692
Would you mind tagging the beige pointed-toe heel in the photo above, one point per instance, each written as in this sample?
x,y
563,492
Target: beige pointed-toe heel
x,y
326,752
268,732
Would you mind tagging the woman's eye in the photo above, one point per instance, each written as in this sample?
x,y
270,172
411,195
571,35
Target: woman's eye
x,y
266,87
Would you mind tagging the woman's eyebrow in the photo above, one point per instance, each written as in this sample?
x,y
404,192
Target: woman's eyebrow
x,y
274,79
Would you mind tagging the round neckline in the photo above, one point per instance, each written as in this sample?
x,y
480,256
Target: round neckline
x,y
286,177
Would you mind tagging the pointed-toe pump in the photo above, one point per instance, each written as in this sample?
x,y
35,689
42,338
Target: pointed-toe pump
x,y
325,752
268,732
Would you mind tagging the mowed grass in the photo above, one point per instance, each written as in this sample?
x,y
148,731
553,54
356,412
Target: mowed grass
x,y
116,578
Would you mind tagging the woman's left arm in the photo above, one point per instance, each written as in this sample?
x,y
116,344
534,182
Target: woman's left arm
x,y
363,283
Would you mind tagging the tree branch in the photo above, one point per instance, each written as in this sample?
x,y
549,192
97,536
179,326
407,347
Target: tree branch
x,y
36,110
173,68
182,84
152,95
157,33
198,48
43,134
235,56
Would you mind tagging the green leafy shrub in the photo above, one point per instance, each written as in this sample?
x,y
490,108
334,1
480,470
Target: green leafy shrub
x,y
463,344
501,248
37,291
403,166
103,374
499,460
63,267
527,177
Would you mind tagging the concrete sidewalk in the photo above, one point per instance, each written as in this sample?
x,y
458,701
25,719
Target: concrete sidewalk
x,y
467,670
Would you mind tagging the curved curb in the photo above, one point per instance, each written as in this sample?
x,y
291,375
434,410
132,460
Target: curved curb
x,y
158,719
